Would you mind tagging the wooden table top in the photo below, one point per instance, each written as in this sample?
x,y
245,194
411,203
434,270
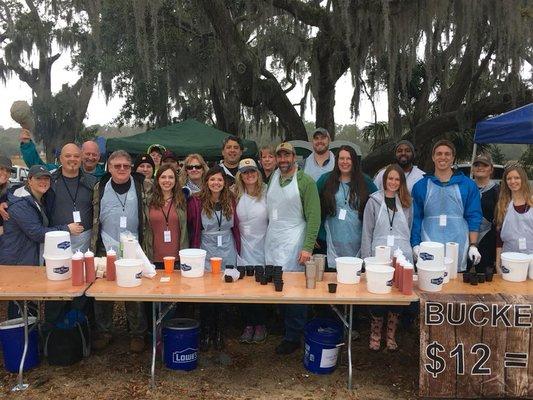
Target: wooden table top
x,y
211,289
497,286
18,282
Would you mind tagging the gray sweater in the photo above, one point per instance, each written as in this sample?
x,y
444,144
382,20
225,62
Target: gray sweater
x,y
370,217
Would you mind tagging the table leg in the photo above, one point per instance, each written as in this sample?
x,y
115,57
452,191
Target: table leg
x,y
350,323
154,345
20,381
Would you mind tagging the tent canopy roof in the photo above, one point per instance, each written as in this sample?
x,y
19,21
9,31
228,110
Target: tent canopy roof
x,y
515,126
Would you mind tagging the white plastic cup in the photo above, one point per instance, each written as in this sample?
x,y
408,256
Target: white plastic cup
x,y
515,266
58,268
430,279
192,262
379,278
348,270
129,272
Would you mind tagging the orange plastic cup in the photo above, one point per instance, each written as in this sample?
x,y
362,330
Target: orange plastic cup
x,y
216,264
168,262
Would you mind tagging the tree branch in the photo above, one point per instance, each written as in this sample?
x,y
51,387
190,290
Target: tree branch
x,y
306,13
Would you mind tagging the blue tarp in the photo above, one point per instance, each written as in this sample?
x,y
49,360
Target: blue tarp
x,y
514,126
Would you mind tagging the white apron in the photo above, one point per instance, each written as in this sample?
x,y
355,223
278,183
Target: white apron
x,y
253,223
515,229
215,247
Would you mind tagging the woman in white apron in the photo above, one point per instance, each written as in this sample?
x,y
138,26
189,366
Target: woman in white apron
x,y
253,222
213,225
387,222
514,214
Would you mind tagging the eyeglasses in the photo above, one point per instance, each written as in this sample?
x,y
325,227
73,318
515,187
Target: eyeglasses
x,y
122,166
191,167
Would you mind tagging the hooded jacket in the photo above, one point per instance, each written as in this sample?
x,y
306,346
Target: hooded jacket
x,y
25,229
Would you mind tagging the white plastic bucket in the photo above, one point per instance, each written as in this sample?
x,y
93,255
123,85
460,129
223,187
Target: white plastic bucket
x,y
192,262
58,268
57,244
379,278
348,269
515,266
431,255
376,261
530,275
430,279
448,266
129,272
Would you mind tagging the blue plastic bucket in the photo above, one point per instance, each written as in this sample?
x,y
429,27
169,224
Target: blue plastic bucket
x,y
12,339
180,342
322,339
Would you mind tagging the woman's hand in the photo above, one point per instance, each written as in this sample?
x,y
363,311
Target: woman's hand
x,y
75,228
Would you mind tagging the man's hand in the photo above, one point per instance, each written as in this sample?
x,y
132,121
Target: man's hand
x,y
3,211
75,228
304,257
25,136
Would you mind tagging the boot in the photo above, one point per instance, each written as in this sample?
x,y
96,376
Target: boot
x,y
376,326
392,325
218,333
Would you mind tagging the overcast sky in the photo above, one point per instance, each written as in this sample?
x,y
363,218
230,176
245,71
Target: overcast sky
x,y
101,113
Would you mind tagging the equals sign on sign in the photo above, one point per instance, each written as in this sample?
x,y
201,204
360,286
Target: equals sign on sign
x,y
515,360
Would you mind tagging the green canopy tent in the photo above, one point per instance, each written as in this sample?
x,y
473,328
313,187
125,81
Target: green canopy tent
x,y
184,138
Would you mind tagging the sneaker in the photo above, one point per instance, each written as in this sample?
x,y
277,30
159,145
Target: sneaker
x,y
286,347
260,334
101,341
137,345
248,335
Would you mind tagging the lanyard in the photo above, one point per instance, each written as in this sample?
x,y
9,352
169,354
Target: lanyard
x,y
68,190
120,201
168,211
219,218
391,220
345,195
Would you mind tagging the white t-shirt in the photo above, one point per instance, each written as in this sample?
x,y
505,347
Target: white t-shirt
x,y
411,177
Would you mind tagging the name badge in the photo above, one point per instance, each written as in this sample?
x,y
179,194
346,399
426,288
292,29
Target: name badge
x,y
342,214
76,216
123,221
442,220
167,238
390,240
275,214
522,244
219,241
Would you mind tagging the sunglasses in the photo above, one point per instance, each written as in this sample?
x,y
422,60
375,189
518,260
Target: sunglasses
x,y
191,167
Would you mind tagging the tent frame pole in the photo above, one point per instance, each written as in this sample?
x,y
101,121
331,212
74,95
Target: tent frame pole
x,y
474,151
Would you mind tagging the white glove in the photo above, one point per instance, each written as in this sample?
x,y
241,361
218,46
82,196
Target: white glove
x,y
416,251
474,255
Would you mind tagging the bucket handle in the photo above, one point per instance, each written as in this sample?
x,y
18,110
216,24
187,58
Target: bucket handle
x,y
340,344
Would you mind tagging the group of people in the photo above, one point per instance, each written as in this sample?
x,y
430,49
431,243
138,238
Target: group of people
x,y
261,212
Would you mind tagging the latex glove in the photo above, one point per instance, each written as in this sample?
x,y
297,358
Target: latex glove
x,y
416,251
474,255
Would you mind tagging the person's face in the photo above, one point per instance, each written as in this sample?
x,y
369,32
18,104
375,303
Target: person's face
x,y
344,161
232,152
482,170
70,158
194,169
320,144
146,169
268,161
285,161
250,177
404,155
156,156
393,181
90,155
167,180
4,175
513,180
39,184
215,183
120,169
442,158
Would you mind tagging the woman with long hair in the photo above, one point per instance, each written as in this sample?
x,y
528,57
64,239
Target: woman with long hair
x,y
192,173
387,222
253,222
343,196
514,215
213,225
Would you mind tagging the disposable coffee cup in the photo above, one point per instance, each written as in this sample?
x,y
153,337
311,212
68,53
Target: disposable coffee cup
x,y
310,270
278,268
250,270
264,279
466,277
228,279
242,271
229,266
310,283
320,261
258,277
473,279
489,273
332,287
259,269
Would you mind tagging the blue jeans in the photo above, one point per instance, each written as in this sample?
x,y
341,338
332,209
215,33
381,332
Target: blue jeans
x,y
295,319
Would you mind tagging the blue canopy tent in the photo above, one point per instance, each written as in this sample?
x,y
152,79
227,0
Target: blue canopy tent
x,y
513,127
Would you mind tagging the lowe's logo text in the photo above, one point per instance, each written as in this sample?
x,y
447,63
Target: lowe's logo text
x,y
179,357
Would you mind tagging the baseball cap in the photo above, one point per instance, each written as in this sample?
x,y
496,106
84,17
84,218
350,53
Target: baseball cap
x,y
484,159
285,146
156,147
37,171
321,131
169,154
6,163
247,164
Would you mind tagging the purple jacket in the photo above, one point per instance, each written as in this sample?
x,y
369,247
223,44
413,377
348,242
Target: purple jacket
x,y
194,223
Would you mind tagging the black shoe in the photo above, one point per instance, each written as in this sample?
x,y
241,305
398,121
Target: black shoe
x,y
287,347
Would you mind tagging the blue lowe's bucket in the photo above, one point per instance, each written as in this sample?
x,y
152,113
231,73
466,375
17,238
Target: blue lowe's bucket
x,y
12,339
180,341
322,340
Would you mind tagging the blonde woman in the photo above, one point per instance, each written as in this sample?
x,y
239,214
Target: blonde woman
x,y
192,174
253,222
514,216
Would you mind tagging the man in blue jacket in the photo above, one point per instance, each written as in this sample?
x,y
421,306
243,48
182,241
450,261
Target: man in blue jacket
x,y
447,207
